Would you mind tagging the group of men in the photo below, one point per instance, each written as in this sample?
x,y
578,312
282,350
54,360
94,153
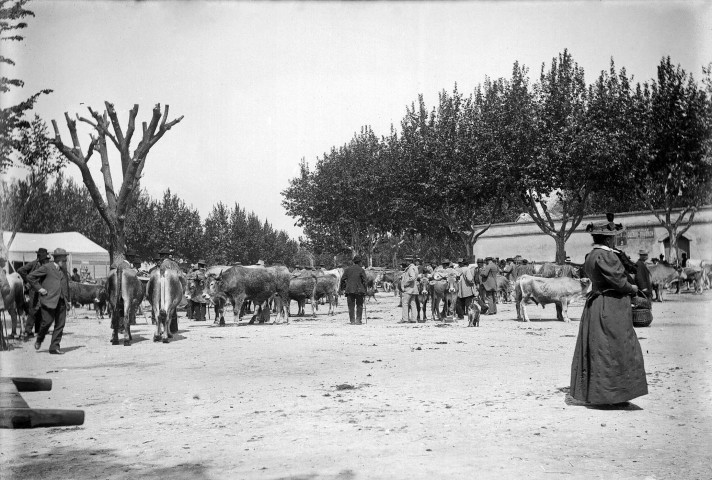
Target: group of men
x,y
48,282
476,283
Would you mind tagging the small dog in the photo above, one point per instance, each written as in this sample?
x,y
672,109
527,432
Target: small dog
x,y
473,315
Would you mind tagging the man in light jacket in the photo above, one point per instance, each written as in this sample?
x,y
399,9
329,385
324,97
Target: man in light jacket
x,y
409,287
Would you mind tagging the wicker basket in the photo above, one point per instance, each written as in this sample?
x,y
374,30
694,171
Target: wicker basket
x,y
642,317
641,301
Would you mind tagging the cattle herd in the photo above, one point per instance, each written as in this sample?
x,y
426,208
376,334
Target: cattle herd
x,y
263,290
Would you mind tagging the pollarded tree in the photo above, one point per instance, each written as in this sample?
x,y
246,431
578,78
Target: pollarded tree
x,y
115,208
675,170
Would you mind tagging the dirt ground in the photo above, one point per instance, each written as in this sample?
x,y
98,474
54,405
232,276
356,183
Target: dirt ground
x,y
428,401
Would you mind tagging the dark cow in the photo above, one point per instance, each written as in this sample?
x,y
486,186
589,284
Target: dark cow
x,y
14,299
445,290
258,284
301,288
504,288
421,299
87,294
662,275
165,291
195,285
125,293
543,291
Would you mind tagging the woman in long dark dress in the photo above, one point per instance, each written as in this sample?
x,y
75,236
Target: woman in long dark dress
x,y
608,362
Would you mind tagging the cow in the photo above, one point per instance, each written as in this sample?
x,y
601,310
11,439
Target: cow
x,y
260,285
196,286
165,291
706,267
549,270
124,294
338,273
542,291
504,288
302,287
13,296
327,287
446,290
523,269
421,299
388,279
662,274
86,294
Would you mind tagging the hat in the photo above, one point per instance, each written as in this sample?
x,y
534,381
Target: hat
x,y
445,261
487,259
59,252
201,261
165,251
41,253
510,259
525,261
568,260
460,260
357,259
608,229
642,251
480,260
403,262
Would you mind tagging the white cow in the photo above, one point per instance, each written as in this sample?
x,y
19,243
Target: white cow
x,y
559,291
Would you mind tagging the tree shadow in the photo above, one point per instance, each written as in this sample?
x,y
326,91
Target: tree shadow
x,y
342,475
65,462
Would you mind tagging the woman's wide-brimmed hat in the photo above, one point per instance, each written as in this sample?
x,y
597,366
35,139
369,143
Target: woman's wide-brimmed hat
x,y
606,228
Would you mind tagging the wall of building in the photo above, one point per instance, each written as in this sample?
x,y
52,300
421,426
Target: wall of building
x,y
643,231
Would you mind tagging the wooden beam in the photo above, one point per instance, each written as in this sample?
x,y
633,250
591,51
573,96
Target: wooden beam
x,y
37,418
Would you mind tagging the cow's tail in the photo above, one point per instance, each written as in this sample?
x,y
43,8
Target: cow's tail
x,y
118,300
162,295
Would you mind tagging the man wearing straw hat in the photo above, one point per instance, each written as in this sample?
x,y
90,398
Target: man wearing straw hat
x,y
51,281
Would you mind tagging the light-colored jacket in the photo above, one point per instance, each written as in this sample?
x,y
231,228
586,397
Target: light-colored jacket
x,y
408,280
467,287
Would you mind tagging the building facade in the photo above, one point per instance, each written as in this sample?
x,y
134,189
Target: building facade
x,y
642,231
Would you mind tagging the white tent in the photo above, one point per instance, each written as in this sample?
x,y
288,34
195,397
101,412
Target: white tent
x,y
82,251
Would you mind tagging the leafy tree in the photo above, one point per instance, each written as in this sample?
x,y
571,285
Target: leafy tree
x,y
217,237
574,144
114,207
674,162
12,16
42,162
343,202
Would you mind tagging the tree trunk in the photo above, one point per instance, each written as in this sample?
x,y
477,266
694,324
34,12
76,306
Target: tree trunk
x,y
560,249
674,253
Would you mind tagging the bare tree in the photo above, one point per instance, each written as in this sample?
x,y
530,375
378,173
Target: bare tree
x,y
115,207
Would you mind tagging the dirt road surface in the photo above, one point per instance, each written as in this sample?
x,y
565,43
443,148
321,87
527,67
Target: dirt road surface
x,y
321,399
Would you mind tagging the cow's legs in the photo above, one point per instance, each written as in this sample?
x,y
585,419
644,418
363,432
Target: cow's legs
x,y
523,307
565,309
559,315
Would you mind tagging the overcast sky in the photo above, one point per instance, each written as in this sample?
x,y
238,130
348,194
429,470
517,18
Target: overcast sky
x,y
263,85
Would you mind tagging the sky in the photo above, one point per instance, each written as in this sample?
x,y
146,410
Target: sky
x,y
262,85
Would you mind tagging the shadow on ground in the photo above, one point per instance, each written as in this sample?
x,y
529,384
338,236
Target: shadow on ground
x,y
63,463
342,475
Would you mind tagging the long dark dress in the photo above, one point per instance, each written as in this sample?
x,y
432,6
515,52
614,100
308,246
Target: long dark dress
x,y
608,363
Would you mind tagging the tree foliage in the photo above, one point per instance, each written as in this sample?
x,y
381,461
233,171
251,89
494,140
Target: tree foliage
x,y
12,20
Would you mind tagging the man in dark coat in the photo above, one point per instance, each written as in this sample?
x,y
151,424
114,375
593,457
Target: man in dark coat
x,y
34,317
489,281
197,307
51,281
607,367
354,284
642,274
